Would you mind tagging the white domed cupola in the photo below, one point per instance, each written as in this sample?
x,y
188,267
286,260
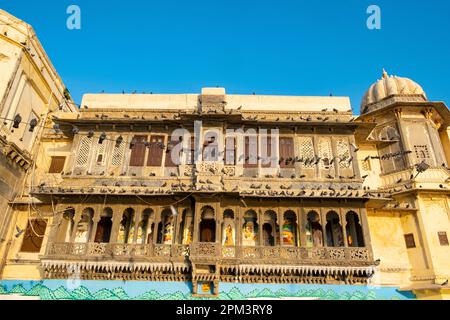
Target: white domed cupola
x,y
391,86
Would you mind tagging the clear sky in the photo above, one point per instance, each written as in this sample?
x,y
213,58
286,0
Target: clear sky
x,y
267,47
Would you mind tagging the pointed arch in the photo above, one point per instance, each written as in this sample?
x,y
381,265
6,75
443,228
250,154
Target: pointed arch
x,y
335,236
314,233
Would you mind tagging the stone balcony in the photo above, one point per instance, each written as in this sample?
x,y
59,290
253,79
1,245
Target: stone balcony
x,y
207,262
336,256
432,178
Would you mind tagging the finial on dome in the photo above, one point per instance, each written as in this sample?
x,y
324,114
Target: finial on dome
x,y
385,74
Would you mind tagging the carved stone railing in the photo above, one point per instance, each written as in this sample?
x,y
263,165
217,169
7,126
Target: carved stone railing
x,y
298,254
228,252
181,250
99,249
434,175
162,250
210,251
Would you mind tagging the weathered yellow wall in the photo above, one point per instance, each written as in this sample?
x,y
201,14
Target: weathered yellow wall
x,y
21,265
388,245
417,256
434,216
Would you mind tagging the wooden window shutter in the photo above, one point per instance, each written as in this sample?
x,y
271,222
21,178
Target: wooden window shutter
x,y
137,158
251,160
230,152
156,151
443,239
287,153
34,236
409,240
57,164
170,146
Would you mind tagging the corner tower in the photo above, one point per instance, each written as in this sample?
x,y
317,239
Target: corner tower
x,y
410,152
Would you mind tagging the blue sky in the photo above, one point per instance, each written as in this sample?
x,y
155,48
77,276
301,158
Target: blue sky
x,y
267,47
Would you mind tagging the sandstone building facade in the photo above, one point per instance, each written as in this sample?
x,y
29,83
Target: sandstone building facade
x,y
214,188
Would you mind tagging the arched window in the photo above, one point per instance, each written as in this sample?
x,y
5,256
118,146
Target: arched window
x,y
335,237
104,227
250,229
166,227
145,230
353,228
126,228
208,225
289,232
66,226
228,229
270,229
84,226
314,234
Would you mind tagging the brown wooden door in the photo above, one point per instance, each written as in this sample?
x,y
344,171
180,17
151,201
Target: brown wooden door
x,y
287,153
34,236
267,235
156,151
138,151
251,152
103,234
169,163
207,231
57,164
230,151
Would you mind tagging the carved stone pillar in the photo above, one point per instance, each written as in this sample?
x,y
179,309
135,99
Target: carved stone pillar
x,y
197,218
280,226
218,219
98,210
151,222
180,231
302,226
137,221
157,222
117,218
342,214
260,228
188,222
281,219
76,219
176,226
238,226
298,239
355,164
323,218
365,227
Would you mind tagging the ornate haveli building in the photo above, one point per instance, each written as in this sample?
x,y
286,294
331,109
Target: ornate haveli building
x,y
209,191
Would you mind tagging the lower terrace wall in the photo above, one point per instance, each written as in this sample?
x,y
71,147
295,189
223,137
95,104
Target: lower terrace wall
x,y
120,290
